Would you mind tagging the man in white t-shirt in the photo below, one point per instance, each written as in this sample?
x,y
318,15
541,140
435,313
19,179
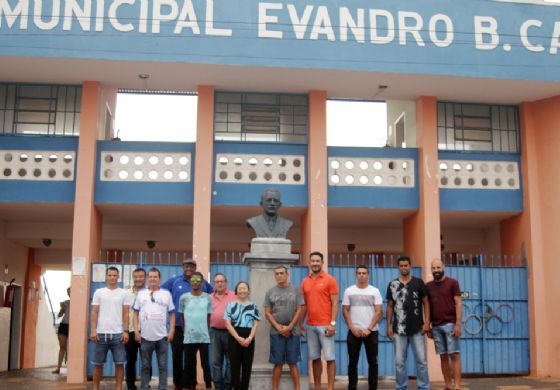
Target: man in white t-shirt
x,y
109,325
362,308
152,328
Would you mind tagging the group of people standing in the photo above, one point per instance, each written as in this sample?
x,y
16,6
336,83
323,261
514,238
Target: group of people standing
x,y
193,316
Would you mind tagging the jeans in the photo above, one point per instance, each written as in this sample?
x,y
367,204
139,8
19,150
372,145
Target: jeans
x,y
179,375
222,376
284,349
146,350
190,359
354,346
444,340
109,342
132,348
418,343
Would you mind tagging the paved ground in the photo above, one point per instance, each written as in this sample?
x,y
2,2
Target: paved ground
x,y
43,379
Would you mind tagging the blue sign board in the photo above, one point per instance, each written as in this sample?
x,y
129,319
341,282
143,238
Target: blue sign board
x,y
478,38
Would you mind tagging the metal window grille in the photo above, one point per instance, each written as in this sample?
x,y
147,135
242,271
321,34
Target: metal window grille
x,y
254,117
33,109
478,127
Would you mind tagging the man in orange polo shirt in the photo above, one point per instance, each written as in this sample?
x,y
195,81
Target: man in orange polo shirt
x,y
320,291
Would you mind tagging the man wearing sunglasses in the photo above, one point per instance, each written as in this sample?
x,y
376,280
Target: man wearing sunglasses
x,y
179,285
151,308
198,305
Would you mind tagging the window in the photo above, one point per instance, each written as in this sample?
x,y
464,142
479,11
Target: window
x,y
260,117
356,123
478,127
168,116
40,109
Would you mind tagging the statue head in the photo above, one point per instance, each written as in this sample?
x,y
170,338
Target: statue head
x,y
270,201
269,223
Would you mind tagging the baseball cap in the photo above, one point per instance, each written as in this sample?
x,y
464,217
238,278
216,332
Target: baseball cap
x,y
189,261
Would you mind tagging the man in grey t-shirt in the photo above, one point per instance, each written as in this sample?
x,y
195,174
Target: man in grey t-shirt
x,y
284,307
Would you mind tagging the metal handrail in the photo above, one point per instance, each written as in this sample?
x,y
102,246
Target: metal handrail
x,y
49,299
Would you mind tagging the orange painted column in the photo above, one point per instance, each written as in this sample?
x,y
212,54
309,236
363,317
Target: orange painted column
x,y
86,235
203,164
314,224
533,233
30,311
422,229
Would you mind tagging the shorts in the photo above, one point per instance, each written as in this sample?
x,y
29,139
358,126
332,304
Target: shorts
x,y
317,341
444,340
63,329
284,349
106,342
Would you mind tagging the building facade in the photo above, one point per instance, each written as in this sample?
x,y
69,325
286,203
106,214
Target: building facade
x,y
473,108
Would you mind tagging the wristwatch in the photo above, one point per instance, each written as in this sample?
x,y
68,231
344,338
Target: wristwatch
x,y
333,323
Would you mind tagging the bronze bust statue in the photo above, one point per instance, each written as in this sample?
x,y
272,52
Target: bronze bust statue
x,y
269,224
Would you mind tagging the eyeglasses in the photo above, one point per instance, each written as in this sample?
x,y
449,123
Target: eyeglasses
x,y
152,296
196,280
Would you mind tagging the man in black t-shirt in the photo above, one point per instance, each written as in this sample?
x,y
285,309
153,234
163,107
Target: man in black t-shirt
x,y
408,313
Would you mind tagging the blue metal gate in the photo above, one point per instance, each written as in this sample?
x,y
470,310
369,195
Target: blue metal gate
x,y
495,336
495,321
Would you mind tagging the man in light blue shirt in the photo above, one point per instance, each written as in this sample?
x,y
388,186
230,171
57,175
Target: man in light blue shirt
x,y
198,305
179,285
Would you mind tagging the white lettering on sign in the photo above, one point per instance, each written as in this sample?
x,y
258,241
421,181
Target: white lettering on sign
x,y
20,10
54,18
435,21
555,41
210,29
82,14
115,23
412,27
524,34
282,20
356,26
160,15
390,29
187,19
265,18
300,24
486,32
322,25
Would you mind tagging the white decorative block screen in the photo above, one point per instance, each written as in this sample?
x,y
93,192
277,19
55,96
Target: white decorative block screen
x,y
259,169
495,175
161,167
50,165
371,172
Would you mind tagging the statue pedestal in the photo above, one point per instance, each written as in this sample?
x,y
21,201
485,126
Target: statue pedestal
x,y
265,255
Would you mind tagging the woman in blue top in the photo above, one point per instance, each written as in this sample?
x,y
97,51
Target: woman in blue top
x,y
242,319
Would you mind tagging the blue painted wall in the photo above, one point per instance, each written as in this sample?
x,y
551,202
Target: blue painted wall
x,y
374,197
481,200
227,32
233,194
38,190
144,192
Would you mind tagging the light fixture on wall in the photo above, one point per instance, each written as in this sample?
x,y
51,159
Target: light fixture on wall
x,y
151,244
47,242
144,77
380,89
351,247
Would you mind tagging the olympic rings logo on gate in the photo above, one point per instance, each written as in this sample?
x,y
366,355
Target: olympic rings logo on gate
x,y
493,318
